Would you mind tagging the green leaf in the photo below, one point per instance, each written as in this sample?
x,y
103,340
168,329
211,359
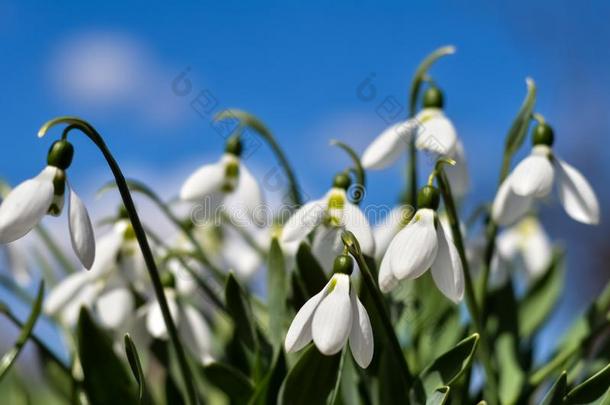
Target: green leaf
x,y
313,276
422,71
391,387
311,379
267,390
357,193
106,381
229,380
591,389
10,357
540,299
518,130
277,288
511,375
439,397
557,391
136,367
238,307
447,368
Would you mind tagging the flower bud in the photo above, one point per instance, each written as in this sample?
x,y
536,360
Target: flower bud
x,y
60,154
234,146
428,197
342,180
543,135
433,98
343,264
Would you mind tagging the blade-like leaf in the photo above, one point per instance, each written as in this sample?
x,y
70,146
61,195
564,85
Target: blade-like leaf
x,y
591,389
511,375
229,380
557,391
10,357
541,298
311,379
447,368
439,397
136,367
268,389
311,272
277,287
106,381
240,310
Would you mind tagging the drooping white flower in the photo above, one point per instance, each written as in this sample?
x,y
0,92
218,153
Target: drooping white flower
x,y
331,318
227,182
192,326
329,216
524,245
424,244
26,205
533,178
389,226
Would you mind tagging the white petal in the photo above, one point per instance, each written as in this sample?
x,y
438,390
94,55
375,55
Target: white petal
x,y
536,247
299,333
458,174
83,298
387,281
388,146
195,333
447,268
26,205
435,132
114,307
356,222
64,292
81,231
332,320
576,194
107,249
385,231
239,255
508,206
534,175
154,320
247,198
327,245
203,182
414,248
304,220
507,243
361,336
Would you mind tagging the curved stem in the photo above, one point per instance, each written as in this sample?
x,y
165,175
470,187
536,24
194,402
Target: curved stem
x,y
249,120
358,171
353,247
471,301
96,138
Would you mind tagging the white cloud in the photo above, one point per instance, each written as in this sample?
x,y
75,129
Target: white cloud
x,y
110,72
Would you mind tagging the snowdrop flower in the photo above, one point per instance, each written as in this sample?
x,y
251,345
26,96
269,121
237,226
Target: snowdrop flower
x,y
26,205
384,231
332,317
227,181
192,327
525,244
329,216
422,244
433,132
533,178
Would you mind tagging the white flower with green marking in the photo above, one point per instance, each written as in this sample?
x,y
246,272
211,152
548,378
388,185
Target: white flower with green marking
x,y
424,244
334,317
26,205
533,178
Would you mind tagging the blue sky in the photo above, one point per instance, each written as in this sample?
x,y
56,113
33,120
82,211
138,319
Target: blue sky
x,y
298,67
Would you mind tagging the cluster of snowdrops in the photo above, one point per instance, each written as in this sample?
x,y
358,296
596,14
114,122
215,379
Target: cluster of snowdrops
x,y
353,312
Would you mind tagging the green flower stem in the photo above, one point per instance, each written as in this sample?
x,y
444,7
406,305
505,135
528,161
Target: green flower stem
x,y
249,120
371,284
471,301
420,76
96,138
200,255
